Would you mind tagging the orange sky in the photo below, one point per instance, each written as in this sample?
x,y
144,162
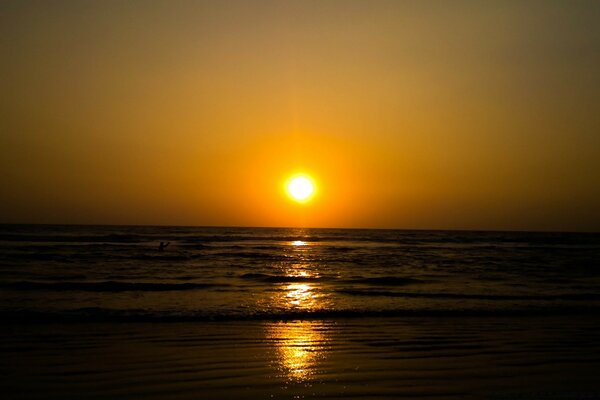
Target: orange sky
x,y
430,115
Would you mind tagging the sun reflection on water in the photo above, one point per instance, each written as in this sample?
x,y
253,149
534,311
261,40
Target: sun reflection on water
x,y
299,346
301,295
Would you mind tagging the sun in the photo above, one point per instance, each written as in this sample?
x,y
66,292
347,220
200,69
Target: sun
x,y
300,188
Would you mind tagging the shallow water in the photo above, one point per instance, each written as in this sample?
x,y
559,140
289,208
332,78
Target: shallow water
x,y
367,358
118,273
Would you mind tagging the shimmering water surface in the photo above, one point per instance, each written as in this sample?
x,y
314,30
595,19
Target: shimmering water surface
x,y
102,313
108,272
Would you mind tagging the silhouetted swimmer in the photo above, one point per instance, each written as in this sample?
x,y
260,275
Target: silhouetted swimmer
x,y
163,246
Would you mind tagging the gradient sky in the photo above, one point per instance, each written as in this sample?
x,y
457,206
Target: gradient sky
x,y
408,114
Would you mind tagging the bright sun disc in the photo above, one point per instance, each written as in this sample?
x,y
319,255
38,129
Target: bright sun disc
x,y
300,188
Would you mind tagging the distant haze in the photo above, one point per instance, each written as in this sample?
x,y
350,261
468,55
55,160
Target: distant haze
x,y
407,114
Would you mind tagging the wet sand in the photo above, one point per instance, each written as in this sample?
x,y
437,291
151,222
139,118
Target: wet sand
x,y
477,357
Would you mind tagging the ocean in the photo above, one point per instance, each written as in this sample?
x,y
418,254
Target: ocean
x,y
104,312
118,272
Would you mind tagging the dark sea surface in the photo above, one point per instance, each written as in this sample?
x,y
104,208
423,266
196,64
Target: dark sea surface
x,y
119,273
99,312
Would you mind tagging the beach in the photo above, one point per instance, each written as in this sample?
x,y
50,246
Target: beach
x,y
477,357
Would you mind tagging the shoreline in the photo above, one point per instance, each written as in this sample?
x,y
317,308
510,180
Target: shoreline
x,y
100,315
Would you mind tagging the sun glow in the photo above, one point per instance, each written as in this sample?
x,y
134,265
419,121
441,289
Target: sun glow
x,y
300,188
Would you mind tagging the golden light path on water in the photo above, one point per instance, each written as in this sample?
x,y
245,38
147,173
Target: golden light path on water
x,y
299,345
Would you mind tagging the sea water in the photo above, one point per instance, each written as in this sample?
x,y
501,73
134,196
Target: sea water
x,y
53,272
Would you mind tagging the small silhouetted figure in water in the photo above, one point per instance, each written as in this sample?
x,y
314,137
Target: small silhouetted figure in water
x,y
163,246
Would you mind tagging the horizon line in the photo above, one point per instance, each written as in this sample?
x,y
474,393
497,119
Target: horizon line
x,y
297,227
